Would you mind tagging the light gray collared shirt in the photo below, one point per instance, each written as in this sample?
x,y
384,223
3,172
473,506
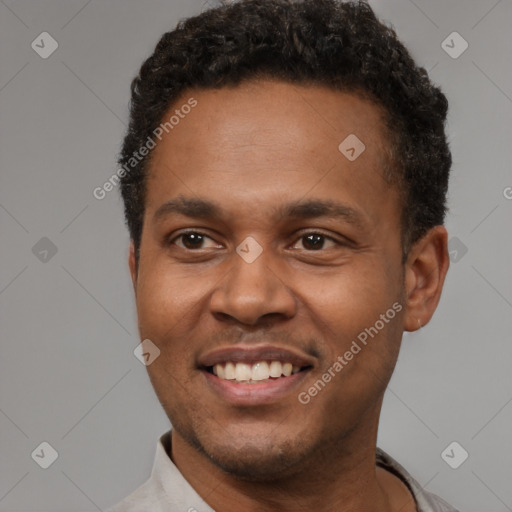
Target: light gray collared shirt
x,y
166,490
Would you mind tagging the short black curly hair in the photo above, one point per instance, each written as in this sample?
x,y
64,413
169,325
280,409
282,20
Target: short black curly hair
x,y
324,42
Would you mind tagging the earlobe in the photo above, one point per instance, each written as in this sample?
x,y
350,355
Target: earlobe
x,y
425,272
132,264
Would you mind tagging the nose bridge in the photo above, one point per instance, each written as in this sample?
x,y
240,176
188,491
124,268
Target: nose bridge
x,y
255,277
251,289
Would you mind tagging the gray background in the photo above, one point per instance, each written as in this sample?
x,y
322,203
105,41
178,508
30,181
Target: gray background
x,y
68,375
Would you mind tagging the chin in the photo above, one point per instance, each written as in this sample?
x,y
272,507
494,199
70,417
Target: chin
x,y
262,454
261,462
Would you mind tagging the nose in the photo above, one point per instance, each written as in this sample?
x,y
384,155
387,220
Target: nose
x,y
252,293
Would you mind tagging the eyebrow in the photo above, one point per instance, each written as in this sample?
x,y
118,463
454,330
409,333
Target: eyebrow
x,y
189,207
302,209
323,208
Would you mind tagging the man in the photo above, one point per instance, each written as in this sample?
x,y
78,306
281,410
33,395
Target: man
x,y
284,178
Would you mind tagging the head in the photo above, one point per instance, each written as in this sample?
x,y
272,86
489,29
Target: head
x,y
291,197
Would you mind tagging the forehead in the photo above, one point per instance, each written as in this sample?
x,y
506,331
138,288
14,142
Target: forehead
x,y
270,139
273,111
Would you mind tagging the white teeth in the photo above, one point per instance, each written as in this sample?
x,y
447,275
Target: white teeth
x,y
262,370
243,371
229,371
221,373
276,369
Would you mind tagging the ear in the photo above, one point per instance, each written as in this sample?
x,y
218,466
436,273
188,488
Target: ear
x,y
425,271
132,264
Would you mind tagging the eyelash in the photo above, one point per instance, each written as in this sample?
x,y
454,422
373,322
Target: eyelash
x,y
302,236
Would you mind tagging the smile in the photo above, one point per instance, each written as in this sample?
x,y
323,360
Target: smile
x,y
248,375
253,373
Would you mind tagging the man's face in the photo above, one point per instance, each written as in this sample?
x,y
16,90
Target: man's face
x,y
262,161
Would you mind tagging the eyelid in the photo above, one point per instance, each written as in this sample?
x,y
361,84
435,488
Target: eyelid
x,y
175,235
340,240
297,236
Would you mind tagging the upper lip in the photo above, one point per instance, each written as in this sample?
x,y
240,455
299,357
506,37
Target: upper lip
x,y
255,353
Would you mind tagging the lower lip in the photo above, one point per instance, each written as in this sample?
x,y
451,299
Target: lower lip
x,y
265,392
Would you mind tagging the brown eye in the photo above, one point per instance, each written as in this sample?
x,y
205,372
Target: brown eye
x,y
193,240
315,242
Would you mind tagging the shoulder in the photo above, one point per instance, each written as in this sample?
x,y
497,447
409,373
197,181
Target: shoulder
x,y
140,500
426,501
152,494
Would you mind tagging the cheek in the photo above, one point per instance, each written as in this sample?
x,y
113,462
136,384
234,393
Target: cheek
x,y
168,308
345,309
171,305
349,297
167,300
359,349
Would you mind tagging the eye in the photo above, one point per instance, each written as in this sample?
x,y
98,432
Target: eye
x,y
315,242
193,240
